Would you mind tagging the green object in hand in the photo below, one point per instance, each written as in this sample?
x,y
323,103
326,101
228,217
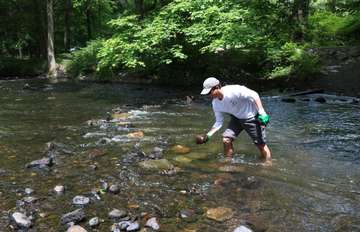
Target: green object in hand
x,y
207,137
264,119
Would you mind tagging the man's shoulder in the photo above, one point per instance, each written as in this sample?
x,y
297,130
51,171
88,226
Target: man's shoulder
x,y
232,87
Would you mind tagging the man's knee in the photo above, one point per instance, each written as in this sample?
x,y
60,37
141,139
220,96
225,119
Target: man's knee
x,y
227,140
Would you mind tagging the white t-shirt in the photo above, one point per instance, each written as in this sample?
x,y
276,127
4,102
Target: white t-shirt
x,y
238,101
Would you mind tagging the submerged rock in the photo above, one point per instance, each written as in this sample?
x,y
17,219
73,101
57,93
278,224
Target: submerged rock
x,y
160,164
94,222
59,189
137,134
41,163
179,149
117,213
133,226
21,220
242,229
81,200
76,228
219,214
152,223
115,189
74,216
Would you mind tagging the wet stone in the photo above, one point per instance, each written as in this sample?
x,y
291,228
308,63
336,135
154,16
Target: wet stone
x,y
41,163
94,222
186,213
74,216
94,153
103,141
29,191
59,189
116,214
133,226
242,229
152,223
115,189
219,214
29,199
179,149
81,200
76,228
160,164
21,220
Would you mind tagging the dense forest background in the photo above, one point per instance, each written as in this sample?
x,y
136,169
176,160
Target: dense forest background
x,y
179,39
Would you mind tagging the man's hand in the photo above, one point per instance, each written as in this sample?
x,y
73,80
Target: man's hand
x,y
201,139
264,118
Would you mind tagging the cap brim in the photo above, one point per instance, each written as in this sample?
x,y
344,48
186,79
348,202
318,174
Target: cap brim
x,y
205,91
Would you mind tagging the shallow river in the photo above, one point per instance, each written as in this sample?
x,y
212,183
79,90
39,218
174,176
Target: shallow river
x,y
313,184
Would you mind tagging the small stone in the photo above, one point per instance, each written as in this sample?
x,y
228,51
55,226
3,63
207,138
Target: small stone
x,y
179,149
115,189
160,164
133,226
219,214
30,199
59,189
242,229
152,223
29,191
94,222
76,228
137,134
74,216
81,200
21,220
116,213
186,213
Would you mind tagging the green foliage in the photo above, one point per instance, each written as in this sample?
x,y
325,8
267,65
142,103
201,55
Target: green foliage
x,y
292,60
188,28
327,28
84,61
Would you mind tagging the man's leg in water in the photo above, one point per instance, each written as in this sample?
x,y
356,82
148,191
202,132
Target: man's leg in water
x,y
228,146
264,152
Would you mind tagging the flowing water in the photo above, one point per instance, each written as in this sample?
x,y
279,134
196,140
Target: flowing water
x,y
313,184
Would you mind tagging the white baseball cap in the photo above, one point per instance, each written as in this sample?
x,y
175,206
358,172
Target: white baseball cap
x,y
209,83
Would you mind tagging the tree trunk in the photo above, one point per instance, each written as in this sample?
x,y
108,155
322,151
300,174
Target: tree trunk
x,y
88,22
139,4
40,29
52,74
332,5
300,15
68,8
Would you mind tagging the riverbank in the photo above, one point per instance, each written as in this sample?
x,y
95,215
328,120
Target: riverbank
x,y
339,74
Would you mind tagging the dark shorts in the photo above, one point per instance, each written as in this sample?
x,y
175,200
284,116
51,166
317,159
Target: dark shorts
x,y
252,126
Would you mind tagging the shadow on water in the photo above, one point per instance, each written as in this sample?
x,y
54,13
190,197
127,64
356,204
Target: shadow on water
x,y
313,184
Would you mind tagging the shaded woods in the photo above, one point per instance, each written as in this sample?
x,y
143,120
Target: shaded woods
x,y
172,39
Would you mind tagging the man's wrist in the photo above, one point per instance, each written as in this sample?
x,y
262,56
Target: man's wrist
x,y
208,136
261,111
